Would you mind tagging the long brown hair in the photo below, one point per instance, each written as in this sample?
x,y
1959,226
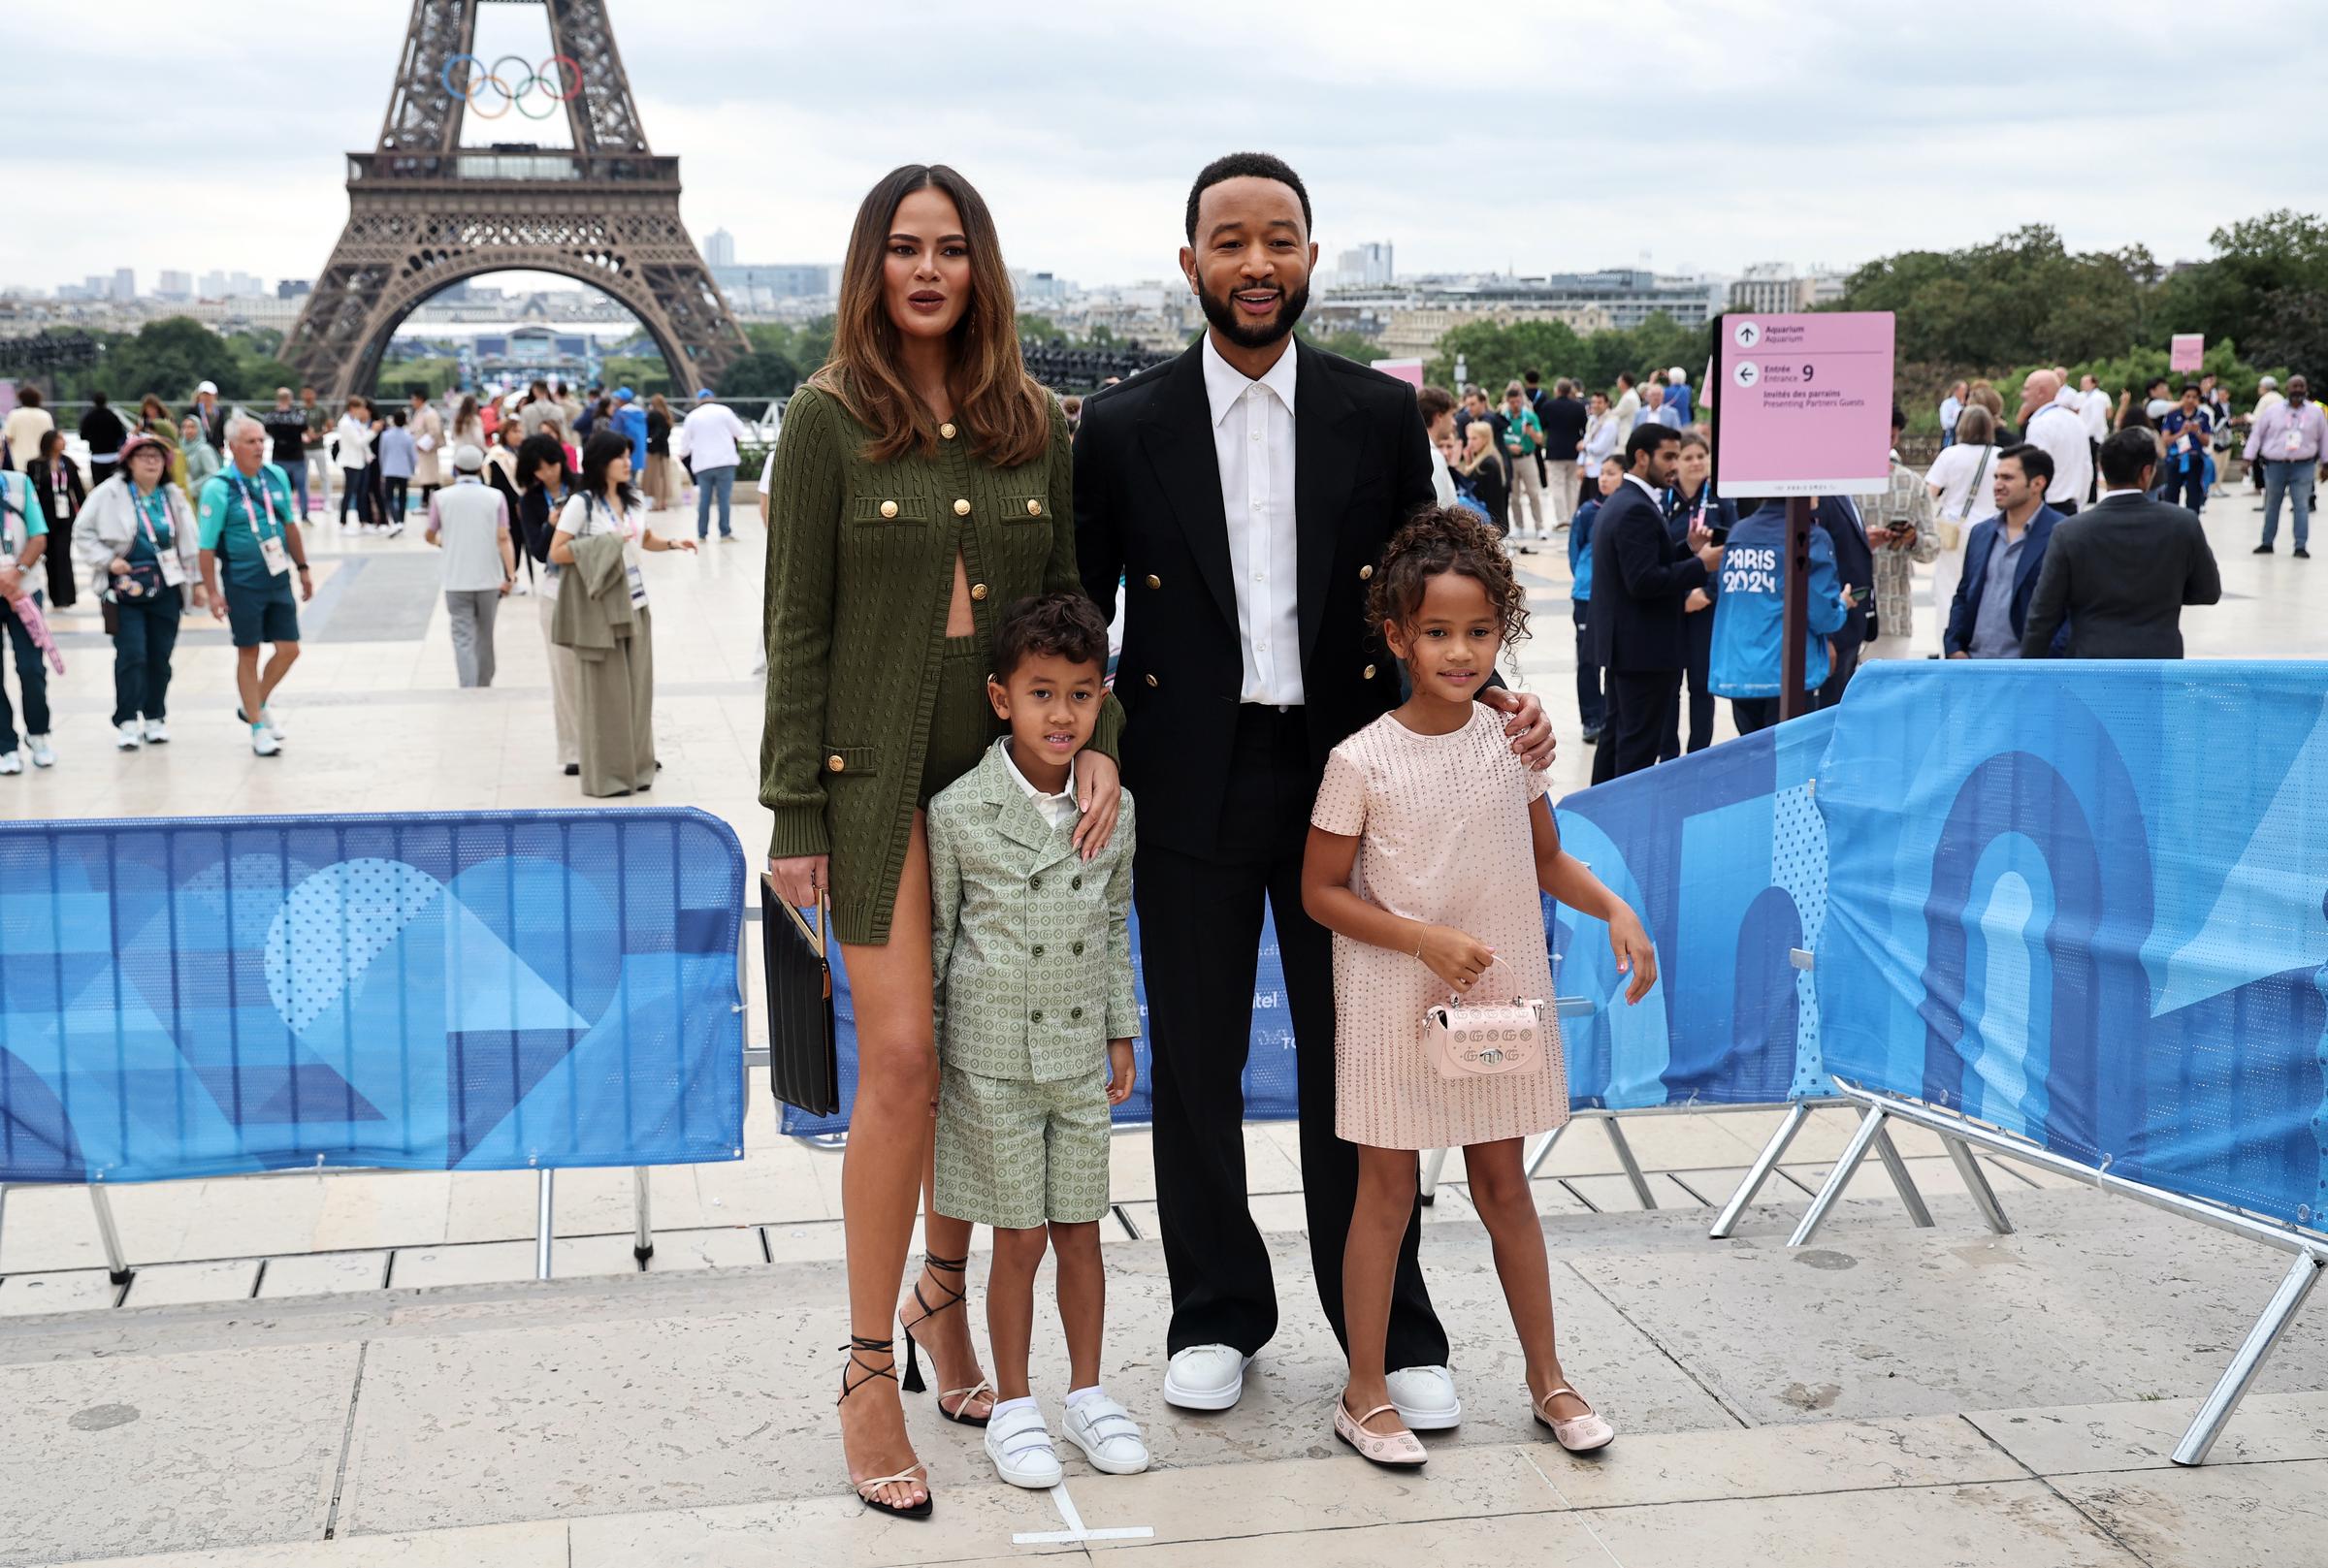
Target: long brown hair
x,y
1005,410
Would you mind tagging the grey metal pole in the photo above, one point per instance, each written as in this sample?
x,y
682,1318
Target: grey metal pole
x,y
1976,1182
1633,1167
2224,1397
1839,1178
117,1263
1544,1150
642,1246
1910,1199
543,1224
1759,1172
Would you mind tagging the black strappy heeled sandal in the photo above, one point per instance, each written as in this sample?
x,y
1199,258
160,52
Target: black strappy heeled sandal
x,y
911,1382
858,1347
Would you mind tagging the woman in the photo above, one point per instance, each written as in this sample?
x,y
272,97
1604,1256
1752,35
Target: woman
x,y
201,460
1960,479
1983,394
663,472
541,469
352,437
1479,475
139,545
1692,503
614,700
921,446
56,485
1601,440
469,427
398,458
153,418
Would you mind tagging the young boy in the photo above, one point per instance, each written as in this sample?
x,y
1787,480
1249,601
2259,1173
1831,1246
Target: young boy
x,y
1033,968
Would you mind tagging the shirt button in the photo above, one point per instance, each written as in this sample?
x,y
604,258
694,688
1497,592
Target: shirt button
x,y
978,590
946,430
1256,435
1038,950
1154,581
889,508
835,762
961,508
1256,506
1365,572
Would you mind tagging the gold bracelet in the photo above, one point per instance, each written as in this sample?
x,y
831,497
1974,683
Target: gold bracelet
x,y
1419,931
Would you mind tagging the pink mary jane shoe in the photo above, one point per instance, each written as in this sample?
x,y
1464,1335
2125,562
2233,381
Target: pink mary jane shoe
x,y
1401,1449
1584,1434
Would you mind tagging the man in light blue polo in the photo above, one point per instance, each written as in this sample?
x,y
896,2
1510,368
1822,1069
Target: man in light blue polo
x,y
243,521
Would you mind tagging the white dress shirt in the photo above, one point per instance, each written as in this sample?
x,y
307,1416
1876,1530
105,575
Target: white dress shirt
x,y
1058,809
2094,408
1252,437
2061,432
709,435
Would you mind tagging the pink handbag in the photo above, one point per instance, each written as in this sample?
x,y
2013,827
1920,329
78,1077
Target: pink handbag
x,y
1486,1038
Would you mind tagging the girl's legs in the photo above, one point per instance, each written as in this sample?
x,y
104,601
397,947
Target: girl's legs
x,y
1083,1299
1011,1305
1370,1260
1500,1191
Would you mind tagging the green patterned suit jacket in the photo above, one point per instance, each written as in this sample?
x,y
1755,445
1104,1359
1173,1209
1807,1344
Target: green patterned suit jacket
x,y
1030,945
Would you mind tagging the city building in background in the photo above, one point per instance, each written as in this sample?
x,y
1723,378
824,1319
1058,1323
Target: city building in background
x,y
1775,287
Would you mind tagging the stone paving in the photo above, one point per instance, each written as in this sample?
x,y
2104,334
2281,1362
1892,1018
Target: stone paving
x,y
357,1368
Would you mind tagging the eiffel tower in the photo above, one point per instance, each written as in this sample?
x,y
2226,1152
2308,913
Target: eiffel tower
x,y
425,212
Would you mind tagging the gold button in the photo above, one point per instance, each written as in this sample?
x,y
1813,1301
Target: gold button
x,y
1034,508
1365,572
946,430
978,590
835,762
961,508
889,508
1151,679
1154,581
1369,673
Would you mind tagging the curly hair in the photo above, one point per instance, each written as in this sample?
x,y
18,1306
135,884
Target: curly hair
x,y
1050,625
1441,539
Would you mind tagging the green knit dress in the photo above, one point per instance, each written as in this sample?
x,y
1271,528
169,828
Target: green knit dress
x,y
871,709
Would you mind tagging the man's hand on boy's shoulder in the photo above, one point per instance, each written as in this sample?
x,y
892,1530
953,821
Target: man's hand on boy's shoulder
x,y
1121,1072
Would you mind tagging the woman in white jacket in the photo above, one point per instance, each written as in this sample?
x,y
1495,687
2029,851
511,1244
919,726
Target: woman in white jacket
x,y
136,539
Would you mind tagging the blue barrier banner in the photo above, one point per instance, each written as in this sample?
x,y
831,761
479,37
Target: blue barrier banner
x,y
2085,903
1722,856
489,990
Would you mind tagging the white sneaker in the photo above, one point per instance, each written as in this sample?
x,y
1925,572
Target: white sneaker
x,y
1020,1445
1425,1398
11,763
1205,1377
272,719
1106,1434
262,741
157,733
127,736
44,755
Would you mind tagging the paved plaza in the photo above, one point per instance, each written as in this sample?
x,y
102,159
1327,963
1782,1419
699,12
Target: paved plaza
x,y
357,1368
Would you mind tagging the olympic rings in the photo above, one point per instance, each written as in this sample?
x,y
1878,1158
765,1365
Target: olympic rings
x,y
559,84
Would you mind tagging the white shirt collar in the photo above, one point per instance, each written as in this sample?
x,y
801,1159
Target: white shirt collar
x,y
1224,383
1647,489
1044,802
2130,490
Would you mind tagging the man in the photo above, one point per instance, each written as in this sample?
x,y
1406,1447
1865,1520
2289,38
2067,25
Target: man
x,y
1642,580
210,412
102,429
2267,395
569,411
629,421
2047,421
1565,419
26,424
1436,406
2289,442
428,444
539,410
1627,412
243,517
1240,496
2122,572
287,438
1838,518
2003,557
2187,432
2093,409
1654,409
1677,394
317,451
470,521
1522,439
1951,406
708,438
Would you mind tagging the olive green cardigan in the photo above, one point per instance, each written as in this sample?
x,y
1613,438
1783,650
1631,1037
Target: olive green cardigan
x,y
860,578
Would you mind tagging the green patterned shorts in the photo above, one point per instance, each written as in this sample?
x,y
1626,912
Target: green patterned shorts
x,y
1013,1154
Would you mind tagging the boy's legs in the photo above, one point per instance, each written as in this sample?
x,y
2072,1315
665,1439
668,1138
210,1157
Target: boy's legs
x,y
1082,1298
1011,1304
1500,1191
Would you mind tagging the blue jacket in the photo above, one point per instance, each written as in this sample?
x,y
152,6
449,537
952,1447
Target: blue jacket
x,y
1967,606
1580,550
631,419
1720,515
1750,610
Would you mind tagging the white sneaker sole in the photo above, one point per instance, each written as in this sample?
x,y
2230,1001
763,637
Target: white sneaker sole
x,y
1429,1420
1206,1398
1100,1462
1031,1480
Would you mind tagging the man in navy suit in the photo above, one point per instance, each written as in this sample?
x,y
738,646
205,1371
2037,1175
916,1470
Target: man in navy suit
x,y
1642,577
2002,559
1838,518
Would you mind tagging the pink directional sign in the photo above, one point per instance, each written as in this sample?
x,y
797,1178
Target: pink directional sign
x,y
1804,404
2187,351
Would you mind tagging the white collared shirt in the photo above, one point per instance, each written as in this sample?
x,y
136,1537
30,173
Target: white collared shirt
x,y
1649,490
1058,810
2058,429
1252,437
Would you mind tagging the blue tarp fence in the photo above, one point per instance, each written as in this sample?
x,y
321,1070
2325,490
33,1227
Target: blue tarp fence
x,y
489,990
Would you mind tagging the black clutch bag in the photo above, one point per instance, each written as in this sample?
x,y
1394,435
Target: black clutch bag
x,y
804,1065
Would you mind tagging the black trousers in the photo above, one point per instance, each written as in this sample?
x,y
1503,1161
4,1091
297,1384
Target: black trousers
x,y
1641,709
1845,665
1200,930
1699,629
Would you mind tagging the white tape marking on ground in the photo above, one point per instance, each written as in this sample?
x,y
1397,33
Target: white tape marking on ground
x,y
1075,1530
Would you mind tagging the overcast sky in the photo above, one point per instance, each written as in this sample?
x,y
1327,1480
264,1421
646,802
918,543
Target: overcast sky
x,y
1575,135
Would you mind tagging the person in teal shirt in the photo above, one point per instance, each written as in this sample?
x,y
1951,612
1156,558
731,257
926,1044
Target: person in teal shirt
x,y
24,540
242,520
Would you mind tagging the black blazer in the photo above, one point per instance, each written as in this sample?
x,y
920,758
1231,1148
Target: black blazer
x,y
1854,561
1148,517
2122,571
1641,578
38,473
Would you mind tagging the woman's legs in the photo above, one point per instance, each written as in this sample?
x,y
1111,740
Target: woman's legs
x,y
1500,1191
1370,1262
130,653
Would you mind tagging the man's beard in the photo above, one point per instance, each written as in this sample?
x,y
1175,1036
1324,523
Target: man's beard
x,y
1223,315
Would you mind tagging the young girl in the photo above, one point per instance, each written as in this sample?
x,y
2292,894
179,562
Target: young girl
x,y
1421,844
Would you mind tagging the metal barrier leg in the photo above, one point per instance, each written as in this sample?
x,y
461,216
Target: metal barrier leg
x,y
2224,1397
542,1226
642,1246
1432,1164
1870,1126
1759,1172
116,1263
1976,1182
1897,1168
1544,1150
1633,1167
